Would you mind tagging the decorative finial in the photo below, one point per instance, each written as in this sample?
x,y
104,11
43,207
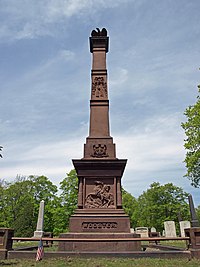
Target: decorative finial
x,y
99,32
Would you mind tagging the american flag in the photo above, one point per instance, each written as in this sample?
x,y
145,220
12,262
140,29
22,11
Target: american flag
x,y
40,251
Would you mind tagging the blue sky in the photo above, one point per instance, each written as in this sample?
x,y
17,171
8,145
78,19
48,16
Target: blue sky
x,y
153,66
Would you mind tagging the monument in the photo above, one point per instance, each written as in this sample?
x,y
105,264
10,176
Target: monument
x,y
40,222
100,213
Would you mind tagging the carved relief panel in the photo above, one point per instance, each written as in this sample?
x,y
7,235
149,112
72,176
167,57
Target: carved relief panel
x,y
99,151
100,196
99,87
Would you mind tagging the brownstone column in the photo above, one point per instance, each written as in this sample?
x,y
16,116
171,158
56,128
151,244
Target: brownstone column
x,y
99,143
194,243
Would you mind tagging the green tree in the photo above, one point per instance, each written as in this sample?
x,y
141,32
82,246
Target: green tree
x,y
69,195
18,208
129,204
192,142
19,204
198,213
161,203
43,189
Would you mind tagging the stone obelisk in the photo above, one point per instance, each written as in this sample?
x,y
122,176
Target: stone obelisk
x,y
40,222
99,172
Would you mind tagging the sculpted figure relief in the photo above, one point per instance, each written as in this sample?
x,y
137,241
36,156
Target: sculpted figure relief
x,y
100,197
99,87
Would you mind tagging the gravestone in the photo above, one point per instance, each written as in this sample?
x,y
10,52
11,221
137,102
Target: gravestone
x,y
153,230
142,231
40,223
99,213
183,226
170,229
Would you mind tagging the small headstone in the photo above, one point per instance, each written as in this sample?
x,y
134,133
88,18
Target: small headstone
x,y
183,225
143,231
163,233
40,223
153,229
170,229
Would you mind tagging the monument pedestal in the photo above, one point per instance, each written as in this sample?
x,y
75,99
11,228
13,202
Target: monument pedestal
x,y
99,242
99,223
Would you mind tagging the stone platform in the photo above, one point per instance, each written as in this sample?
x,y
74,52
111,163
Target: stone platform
x,y
99,221
101,242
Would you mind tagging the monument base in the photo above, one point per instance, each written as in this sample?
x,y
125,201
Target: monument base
x,y
38,234
99,221
99,242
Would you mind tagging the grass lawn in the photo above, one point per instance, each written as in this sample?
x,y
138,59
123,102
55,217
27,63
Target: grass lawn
x,y
99,262
102,262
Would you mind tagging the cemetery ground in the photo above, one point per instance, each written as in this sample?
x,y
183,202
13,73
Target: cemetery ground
x,y
102,262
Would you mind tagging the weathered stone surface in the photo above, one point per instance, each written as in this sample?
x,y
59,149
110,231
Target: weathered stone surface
x,y
6,235
142,231
99,172
170,229
183,226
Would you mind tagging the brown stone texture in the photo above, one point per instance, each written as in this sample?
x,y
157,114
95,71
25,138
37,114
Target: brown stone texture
x,y
99,172
6,235
194,244
110,242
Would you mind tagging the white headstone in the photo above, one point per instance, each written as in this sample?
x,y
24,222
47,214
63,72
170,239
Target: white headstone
x,y
40,223
143,231
170,229
153,229
183,225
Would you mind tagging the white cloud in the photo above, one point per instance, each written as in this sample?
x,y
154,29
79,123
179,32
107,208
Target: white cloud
x,y
119,77
157,146
27,19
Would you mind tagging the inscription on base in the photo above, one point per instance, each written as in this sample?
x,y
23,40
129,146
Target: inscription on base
x,y
99,225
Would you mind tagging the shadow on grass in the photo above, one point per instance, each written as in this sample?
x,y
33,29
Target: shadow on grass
x,y
6,263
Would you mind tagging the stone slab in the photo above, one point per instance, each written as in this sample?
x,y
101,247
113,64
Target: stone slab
x,y
92,242
170,229
183,226
126,254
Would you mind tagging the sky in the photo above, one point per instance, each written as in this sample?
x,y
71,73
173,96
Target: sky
x,y
153,73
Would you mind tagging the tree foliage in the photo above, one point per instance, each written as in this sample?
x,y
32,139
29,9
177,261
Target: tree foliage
x,y
161,203
20,203
130,206
192,142
69,194
20,199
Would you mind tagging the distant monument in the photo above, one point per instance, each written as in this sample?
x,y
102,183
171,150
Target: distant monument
x,y
194,220
40,222
99,171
